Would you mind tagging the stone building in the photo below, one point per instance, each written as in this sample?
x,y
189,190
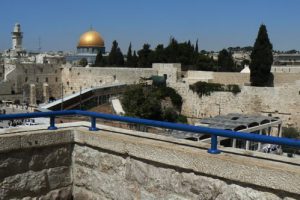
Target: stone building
x,y
17,49
90,44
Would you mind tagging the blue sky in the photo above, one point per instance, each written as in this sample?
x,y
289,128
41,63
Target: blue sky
x,y
216,23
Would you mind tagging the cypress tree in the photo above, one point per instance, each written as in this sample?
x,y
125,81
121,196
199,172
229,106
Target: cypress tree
x,y
113,54
134,59
119,57
225,61
261,60
144,56
129,56
99,59
196,47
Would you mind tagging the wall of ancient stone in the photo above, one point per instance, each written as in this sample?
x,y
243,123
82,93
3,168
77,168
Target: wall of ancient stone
x,y
146,166
286,69
24,75
43,173
172,71
124,178
35,165
283,102
75,77
237,78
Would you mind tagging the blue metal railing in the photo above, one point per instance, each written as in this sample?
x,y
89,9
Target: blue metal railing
x,y
183,127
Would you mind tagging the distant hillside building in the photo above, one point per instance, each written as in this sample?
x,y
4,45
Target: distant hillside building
x,y
287,59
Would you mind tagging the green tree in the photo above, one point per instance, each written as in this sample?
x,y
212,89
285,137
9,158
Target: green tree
x,y
144,56
119,58
261,60
196,47
112,57
100,60
138,102
129,56
115,57
145,102
83,62
159,54
225,61
134,60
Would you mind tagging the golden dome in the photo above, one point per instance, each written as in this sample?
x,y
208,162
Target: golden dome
x,y
91,39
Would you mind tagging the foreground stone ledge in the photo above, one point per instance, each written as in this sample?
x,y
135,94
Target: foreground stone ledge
x,y
114,163
237,168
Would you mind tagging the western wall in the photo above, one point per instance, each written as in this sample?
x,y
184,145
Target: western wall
x,y
38,82
75,77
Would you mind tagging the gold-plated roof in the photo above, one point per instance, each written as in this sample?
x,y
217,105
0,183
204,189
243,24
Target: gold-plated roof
x,y
91,39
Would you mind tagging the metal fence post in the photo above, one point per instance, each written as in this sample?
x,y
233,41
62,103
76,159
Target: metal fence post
x,y
214,145
52,123
93,124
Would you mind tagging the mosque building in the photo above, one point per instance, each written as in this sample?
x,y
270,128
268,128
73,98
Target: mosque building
x,y
90,44
17,39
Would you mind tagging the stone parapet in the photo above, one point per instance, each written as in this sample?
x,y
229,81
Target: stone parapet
x,y
115,163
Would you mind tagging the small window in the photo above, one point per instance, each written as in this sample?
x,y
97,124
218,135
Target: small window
x,y
46,79
56,79
26,79
37,80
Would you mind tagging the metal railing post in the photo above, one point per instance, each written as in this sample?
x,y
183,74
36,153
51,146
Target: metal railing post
x,y
52,123
93,124
214,145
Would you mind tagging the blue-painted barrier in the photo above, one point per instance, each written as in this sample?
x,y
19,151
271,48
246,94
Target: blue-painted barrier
x,y
183,127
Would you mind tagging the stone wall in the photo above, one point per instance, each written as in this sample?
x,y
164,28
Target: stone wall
x,y
146,166
32,167
286,69
123,178
114,163
172,71
283,102
237,78
75,77
25,75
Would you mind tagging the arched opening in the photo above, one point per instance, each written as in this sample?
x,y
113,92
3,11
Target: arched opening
x,y
240,127
252,124
265,121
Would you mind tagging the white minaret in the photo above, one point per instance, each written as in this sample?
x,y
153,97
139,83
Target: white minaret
x,y
17,37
